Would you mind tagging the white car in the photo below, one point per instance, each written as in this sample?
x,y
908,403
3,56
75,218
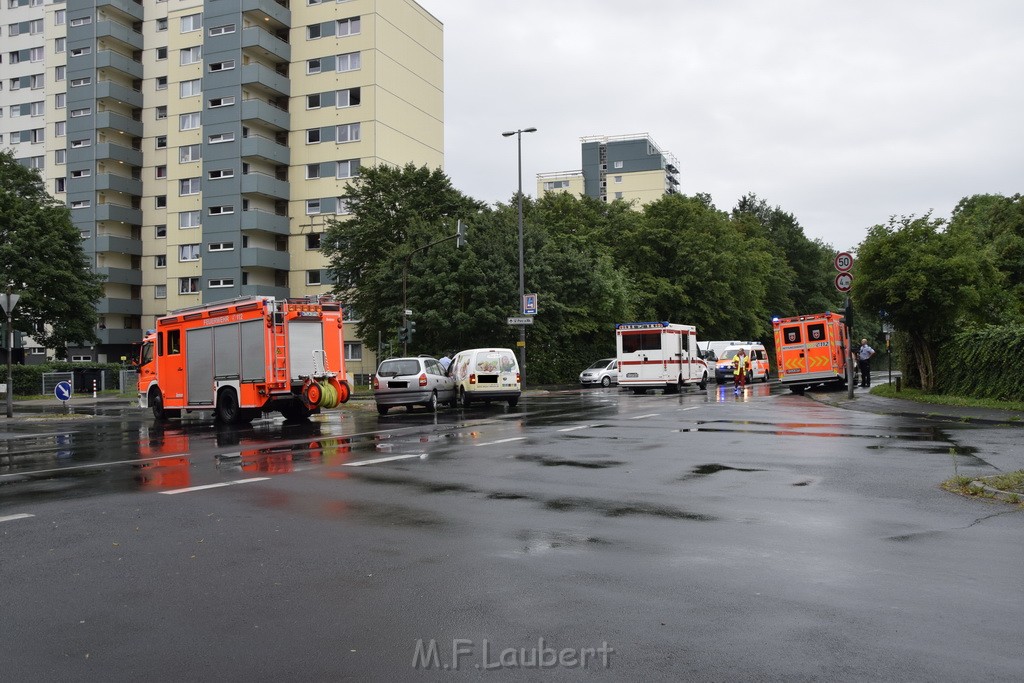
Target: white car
x,y
604,372
409,382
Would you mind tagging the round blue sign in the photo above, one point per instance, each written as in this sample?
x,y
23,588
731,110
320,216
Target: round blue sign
x,y
62,391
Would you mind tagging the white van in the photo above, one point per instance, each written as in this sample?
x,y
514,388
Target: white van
x,y
759,369
485,375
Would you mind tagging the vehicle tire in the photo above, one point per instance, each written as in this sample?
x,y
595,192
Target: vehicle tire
x,y
228,410
799,391
673,388
703,382
432,404
295,412
750,376
764,380
156,403
606,381
382,410
639,391
464,399
513,402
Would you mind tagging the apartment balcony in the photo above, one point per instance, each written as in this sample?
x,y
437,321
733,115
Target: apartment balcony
x,y
119,32
108,59
266,113
266,185
119,213
109,90
119,183
264,221
119,306
264,290
121,276
261,77
108,150
118,244
259,147
266,44
119,122
117,336
131,8
276,11
257,257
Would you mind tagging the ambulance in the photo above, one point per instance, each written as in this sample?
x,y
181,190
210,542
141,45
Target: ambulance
x,y
244,357
811,350
662,355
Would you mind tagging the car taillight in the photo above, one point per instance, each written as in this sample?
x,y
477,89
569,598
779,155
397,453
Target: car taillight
x,y
376,384
472,378
517,378
423,379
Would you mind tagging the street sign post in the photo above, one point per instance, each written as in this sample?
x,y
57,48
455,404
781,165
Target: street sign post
x,y
529,304
524,320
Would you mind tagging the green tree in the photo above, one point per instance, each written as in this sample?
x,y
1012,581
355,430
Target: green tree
x,y
394,212
41,259
927,279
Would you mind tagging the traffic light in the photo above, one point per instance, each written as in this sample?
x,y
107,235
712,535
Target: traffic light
x,y
403,334
410,329
460,235
848,313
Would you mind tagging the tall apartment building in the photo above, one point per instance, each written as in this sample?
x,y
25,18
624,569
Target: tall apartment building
x,y
627,167
201,146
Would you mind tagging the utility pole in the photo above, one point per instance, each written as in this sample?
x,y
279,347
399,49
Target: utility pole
x,y
8,301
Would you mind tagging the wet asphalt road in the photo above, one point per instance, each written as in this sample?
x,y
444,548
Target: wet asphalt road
x,y
700,536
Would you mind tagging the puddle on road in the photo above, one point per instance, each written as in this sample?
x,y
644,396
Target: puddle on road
x,y
550,461
536,542
614,509
705,470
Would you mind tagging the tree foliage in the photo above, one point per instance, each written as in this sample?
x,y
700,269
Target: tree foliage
x,y
41,258
926,280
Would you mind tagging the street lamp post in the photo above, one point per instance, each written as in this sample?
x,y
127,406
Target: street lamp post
x,y
7,302
522,283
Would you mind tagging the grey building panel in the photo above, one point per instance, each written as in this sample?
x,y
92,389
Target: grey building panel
x,y
635,155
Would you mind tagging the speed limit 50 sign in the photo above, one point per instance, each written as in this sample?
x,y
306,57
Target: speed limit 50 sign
x,y
843,261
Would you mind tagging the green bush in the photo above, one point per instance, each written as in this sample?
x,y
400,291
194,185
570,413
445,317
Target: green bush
x,y
28,379
983,363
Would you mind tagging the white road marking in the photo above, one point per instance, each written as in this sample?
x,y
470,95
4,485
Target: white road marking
x,y
573,429
690,408
11,518
213,486
494,443
387,459
640,417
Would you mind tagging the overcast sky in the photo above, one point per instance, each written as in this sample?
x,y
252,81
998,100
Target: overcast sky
x,y
841,113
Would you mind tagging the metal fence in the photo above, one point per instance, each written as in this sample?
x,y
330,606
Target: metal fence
x,y
51,379
129,382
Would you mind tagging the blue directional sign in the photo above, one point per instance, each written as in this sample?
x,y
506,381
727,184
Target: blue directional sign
x,y
62,391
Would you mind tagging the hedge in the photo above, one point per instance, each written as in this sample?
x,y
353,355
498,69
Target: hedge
x,y
983,363
28,379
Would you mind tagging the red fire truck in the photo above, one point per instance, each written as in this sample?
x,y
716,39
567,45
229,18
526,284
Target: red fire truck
x,y
244,357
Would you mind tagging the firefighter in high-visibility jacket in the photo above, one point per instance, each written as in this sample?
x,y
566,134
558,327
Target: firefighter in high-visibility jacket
x,y
740,368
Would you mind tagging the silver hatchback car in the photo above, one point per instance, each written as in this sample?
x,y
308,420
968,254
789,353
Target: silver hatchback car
x,y
604,372
413,381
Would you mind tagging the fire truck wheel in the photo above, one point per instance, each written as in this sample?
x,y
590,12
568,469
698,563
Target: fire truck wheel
x,y
161,414
228,410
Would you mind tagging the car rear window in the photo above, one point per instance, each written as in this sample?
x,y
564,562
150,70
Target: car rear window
x,y
394,368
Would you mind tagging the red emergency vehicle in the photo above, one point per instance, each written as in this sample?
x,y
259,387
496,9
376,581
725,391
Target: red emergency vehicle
x,y
244,357
811,350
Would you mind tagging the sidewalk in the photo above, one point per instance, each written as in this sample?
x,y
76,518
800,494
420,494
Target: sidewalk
x,y
866,402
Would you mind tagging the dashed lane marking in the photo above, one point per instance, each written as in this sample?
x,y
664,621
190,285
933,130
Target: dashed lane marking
x,y
214,486
573,429
390,458
494,443
640,417
11,518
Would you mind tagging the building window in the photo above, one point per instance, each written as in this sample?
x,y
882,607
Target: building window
x,y
161,113
160,231
189,219
191,55
60,100
312,171
348,98
221,282
161,172
618,195
313,32
342,208
188,285
221,173
222,30
312,136
226,65
221,102
348,62
81,21
59,17
160,292
189,252
60,156
221,210
187,153
81,173
349,168
78,82
348,27
60,128
312,208
221,246
189,121
79,51
81,204
60,73
161,82
218,138
84,142
313,241
617,164
188,186
160,261
191,88
191,22
618,179
347,132
161,24
60,185
79,113
161,53
313,66
60,45
353,351
313,101
161,141
313,277
160,201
